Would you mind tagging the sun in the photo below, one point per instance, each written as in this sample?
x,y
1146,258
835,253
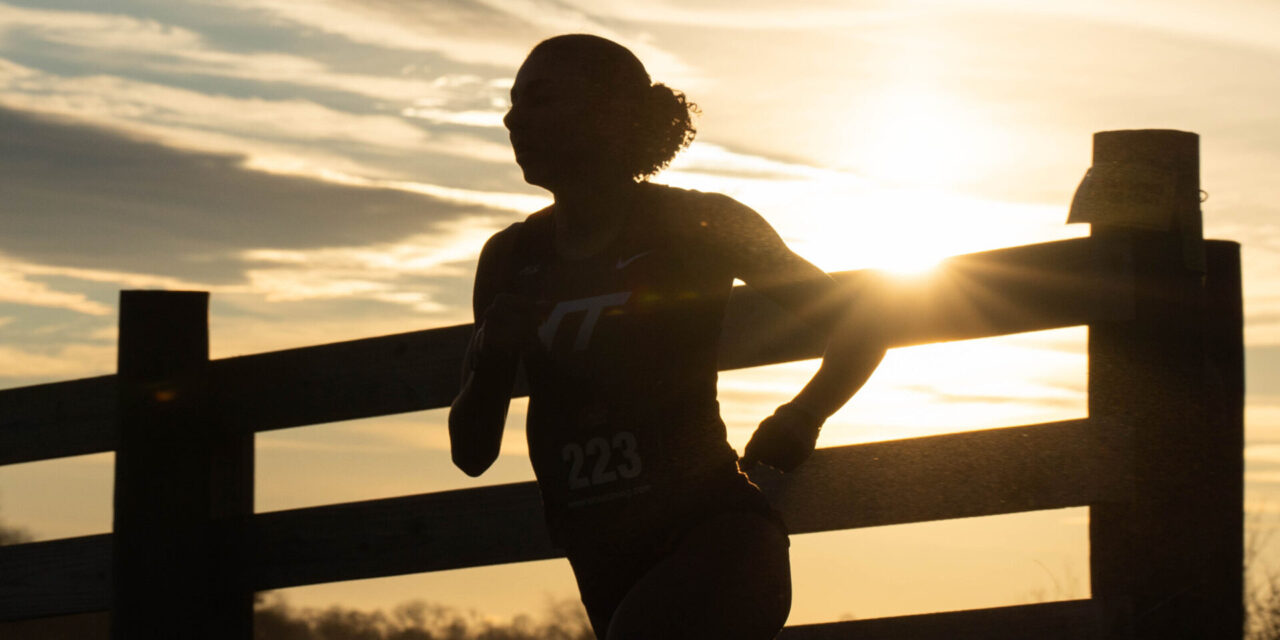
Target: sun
x,y
904,232
895,197
890,189
910,259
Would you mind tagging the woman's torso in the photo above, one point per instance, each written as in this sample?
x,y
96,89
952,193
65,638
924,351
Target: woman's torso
x,y
624,430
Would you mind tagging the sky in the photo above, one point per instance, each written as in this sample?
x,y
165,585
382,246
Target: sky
x,y
329,169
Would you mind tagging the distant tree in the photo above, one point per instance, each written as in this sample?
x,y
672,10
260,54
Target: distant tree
x,y
13,535
274,619
1262,609
1262,584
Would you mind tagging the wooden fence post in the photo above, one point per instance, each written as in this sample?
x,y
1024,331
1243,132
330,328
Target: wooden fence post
x,y
1221,505
1168,563
183,490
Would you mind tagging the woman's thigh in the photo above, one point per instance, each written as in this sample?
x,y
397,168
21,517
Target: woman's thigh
x,y
730,577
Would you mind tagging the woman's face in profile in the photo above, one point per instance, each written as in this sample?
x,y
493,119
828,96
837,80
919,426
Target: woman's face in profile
x,y
556,122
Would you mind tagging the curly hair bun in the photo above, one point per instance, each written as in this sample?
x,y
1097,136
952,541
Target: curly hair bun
x,y
665,126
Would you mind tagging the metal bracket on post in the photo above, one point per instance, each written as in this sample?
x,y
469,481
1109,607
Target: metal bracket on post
x,y
1147,179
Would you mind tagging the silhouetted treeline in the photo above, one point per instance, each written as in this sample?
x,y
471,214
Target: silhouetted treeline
x,y
12,535
1262,614
274,619
1262,583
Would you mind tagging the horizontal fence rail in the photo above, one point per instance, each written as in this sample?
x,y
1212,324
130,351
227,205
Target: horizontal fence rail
x,y
978,473
1028,288
1065,620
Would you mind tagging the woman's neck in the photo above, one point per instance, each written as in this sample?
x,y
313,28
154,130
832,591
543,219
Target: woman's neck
x,y
587,219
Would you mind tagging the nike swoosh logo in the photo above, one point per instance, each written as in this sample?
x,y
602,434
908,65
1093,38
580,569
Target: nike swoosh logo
x,y
623,263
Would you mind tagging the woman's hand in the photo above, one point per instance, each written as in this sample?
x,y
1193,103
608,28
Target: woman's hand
x,y
784,439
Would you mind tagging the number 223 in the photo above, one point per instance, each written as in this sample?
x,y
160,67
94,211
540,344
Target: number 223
x,y
600,452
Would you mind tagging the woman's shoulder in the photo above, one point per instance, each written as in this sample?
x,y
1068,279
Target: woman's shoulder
x,y
711,217
691,198
514,236
532,222
707,211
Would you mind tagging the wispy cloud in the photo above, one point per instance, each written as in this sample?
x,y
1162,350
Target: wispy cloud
x,y
142,207
1262,373
16,288
396,273
500,200
123,45
1262,477
466,32
553,17
491,32
1267,453
719,14
65,362
1261,260
198,120
1240,23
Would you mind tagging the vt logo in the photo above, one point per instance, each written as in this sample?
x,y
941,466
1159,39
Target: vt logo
x,y
592,306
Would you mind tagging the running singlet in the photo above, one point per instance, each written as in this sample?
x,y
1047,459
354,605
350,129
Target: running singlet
x,y
624,430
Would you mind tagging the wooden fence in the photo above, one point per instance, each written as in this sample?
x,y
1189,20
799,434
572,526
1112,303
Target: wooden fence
x,y
1158,461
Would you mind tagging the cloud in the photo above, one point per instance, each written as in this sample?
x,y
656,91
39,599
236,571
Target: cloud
x,y
193,119
554,17
718,160
15,288
1260,261
1262,372
242,324
133,46
82,197
477,118
1262,453
491,32
121,278
1262,477
411,272
1243,23
515,202
719,14
65,362
466,31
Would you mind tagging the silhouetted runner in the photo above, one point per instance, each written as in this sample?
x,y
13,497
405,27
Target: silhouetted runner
x,y
613,298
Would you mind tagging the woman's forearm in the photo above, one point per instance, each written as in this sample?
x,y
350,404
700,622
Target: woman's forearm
x,y
853,352
479,413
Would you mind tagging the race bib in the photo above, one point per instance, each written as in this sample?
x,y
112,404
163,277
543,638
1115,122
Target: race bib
x,y
603,467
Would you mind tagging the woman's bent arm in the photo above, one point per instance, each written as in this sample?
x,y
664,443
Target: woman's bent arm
x,y
478,414
849,320
855,347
